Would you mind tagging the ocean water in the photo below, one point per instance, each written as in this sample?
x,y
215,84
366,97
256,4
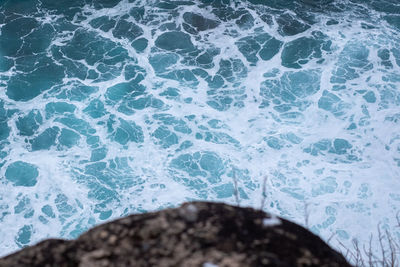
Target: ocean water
x,y
114,107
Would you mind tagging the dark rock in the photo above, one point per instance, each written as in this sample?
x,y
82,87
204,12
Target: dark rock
x,y
195,234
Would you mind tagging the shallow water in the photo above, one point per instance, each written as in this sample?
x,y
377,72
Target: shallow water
x,y
109,108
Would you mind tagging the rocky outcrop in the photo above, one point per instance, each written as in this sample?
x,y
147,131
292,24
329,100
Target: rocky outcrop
x,y
201,234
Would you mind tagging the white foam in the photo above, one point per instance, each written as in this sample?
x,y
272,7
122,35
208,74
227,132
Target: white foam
x,y
272,221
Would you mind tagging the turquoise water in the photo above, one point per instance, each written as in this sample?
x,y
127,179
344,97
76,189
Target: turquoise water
x,y
113,107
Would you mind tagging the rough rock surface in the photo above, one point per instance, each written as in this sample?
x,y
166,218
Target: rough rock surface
x,y
195,234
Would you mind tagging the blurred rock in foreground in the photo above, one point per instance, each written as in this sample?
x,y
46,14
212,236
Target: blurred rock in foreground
x,y
200,234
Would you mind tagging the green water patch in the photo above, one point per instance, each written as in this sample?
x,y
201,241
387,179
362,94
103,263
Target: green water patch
x,y
389,95
221,101
216,124
290,25
64,207
105,179
95,109
319,147
38,40
27,85
45,140
230,72
165,66
121,91
112,177
104,23
5,114
291,137
73,91
169,5
68,8
396,55
201,167
68,138
24,207
58,108
162,62
75,69
274,142
359,207
23,37
331,211
215,137
270,48
28,124
21,173
384,55
24,236
140,44
48,211
138,13
224,191
332,103
340,146
302,10
364,191
195,23
123,132
185,145
327,185
282,140
98,154
12,34
101,4
93,141
10,8
165,134
98,192
127,30
179,125
353,61
76,124
175,41
166,138
220,138
221,10
131,96
388,7
370,97
296,193
170,93
326,223
185,76
300,51
289,91
261,46
5,63
342,234
245,21
242,17
205,60
107,56
86,46
134,73
341,150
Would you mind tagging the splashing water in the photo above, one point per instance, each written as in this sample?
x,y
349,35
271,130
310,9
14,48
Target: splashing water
x,y
115,107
